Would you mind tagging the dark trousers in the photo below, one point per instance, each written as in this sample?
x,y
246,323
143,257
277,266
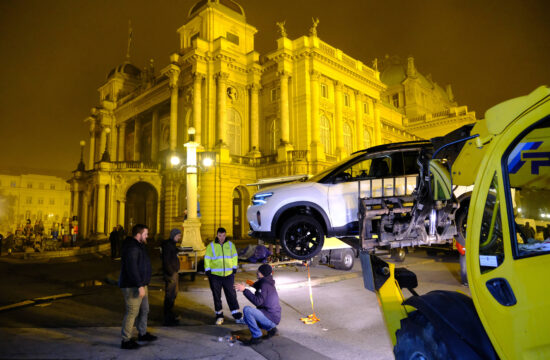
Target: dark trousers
x,y
225,282
170,293
113,249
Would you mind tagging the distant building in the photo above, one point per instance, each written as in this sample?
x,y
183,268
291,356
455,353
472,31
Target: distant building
x,y
296,110
33,197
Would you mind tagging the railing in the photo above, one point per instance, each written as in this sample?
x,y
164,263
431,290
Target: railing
x,y
327,49
298,154
448,113
140,165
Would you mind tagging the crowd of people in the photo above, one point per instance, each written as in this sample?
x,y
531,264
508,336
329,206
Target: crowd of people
x,y
220,265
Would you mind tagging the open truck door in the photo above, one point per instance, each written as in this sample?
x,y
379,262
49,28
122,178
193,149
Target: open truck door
x,y
507,267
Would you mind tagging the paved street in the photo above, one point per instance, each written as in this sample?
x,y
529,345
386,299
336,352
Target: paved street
x,y
86,323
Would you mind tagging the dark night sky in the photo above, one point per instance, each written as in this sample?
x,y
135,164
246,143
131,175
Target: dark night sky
x,y
55,54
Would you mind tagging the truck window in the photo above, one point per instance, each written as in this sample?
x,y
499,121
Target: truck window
x,y
491,250
528,168
409,159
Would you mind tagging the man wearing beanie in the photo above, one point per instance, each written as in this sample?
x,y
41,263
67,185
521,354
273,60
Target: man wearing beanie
x,y
170,268
220,265
267,314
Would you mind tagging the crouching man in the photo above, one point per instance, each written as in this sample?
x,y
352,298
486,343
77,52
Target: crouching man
x,y
267,313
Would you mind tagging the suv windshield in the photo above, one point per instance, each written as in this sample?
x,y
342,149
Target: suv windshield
x,y
324,173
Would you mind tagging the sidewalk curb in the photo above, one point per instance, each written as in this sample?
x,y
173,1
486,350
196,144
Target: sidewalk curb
x,y
46,255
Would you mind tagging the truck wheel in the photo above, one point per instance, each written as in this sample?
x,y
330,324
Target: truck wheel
x,y
418,340
348,259
302,237
398,254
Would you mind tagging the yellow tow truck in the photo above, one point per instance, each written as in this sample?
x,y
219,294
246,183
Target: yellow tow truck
x,y
507,159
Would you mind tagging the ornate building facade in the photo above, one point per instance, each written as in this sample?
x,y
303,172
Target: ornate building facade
x,y
297,110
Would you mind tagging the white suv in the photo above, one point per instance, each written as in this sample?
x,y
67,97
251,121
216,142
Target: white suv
x,y
302,213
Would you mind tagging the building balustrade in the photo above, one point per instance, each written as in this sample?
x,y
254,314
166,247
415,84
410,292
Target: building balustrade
x,y
136,165
452,112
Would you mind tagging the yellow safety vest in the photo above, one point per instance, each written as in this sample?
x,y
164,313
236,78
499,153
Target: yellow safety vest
x,y
221,260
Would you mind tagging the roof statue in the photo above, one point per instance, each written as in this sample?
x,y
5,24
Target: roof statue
x,y
130,37
375,64
282,30
313,29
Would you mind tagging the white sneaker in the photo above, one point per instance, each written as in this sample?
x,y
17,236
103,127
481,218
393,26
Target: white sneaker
x,y
219,321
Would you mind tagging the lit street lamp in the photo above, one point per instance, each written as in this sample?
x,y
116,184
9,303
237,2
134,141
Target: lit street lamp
x,y
191,225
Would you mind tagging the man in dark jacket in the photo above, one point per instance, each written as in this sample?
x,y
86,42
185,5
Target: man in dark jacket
x,y
135,275
113,238
267,314
170,268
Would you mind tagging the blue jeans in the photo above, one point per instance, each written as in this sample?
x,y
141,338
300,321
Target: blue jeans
x,y
255,319
136,312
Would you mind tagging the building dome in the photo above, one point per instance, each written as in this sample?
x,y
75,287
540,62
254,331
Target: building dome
x,y
126,68
394,72
224,4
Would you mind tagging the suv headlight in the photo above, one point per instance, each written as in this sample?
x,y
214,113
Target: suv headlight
x,y
261,198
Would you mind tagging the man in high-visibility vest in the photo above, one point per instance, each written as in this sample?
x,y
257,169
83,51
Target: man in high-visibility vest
x,y
220,265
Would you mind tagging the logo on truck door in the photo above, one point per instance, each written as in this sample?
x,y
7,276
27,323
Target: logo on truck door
x,y
527,152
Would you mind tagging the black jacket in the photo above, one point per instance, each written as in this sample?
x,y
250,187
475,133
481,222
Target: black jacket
x,y
135,264
266,298
170,261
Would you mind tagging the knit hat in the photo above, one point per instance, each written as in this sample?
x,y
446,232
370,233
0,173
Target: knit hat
x,y
265,269
174,232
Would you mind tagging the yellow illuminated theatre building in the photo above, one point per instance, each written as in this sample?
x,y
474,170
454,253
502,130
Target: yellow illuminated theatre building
x,y
295,110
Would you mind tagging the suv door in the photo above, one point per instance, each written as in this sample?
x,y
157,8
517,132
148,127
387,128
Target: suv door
x,y
379,175
508,260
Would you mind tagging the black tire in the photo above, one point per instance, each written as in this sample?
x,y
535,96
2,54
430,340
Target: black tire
x,y
398,254
302,237
461,221
417,339
463,274
348,259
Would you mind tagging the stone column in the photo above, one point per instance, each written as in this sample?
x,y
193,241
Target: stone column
x,y
284,116
174,73
102,142
121,213
100,220
137,139
358,120
92,146
377,124
254,121
317,149
121,142
155,136
338,124
222,88
197,106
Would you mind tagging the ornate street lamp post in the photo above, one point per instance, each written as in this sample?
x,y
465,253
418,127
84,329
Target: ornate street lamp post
x,y
191,225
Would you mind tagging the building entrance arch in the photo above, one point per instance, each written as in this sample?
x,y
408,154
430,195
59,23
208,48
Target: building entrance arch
x,y
240,200
141,206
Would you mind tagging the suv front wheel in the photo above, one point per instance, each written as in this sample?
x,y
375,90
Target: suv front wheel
x,y
302,237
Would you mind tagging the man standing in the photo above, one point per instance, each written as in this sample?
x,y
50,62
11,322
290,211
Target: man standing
x,y
113,238
220,265
170,268
267,314
135,275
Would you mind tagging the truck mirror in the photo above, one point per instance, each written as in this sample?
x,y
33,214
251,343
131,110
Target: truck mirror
x,y
441,180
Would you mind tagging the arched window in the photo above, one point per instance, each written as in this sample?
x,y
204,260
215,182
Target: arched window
x,y
348,138
234,131
325,133
366,138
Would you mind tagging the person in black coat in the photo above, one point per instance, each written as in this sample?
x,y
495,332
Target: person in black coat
x,y
267,313
135,275
170,268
